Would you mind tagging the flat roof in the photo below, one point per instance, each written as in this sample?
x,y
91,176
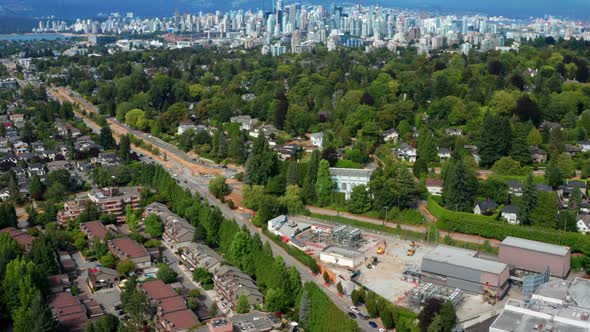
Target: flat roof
x,y
355,172
548,248
348,253
464,258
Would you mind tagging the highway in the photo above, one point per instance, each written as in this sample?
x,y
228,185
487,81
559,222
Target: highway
x,y
197,183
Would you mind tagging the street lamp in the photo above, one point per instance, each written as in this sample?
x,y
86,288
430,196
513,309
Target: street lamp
x,y
386,208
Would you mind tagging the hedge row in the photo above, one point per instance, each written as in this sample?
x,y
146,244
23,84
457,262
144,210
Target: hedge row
x,y
489,228
299,255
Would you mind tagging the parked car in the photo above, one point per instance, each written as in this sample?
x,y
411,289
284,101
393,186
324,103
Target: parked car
x,y
373,324
354,309
363,315
352,315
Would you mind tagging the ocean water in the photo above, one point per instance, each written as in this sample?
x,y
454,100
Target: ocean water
x,y
32,37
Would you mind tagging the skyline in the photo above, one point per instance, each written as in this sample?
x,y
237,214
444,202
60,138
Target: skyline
x,y
71,9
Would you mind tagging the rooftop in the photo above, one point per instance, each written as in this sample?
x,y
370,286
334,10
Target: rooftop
x,y
348,253
158,290
334,171
536,246
464,258
130,247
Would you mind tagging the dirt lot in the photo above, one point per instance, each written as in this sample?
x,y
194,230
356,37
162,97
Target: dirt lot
x,y
385,278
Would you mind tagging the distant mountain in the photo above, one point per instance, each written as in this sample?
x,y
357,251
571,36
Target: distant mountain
x,y
89,8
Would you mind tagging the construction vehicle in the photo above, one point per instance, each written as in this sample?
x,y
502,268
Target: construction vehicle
x,y
412,249
381,248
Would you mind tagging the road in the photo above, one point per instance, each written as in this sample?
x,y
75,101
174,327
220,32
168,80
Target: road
x,y
198,183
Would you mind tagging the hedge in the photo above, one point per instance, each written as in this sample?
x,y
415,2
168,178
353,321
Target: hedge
x,y
489,228
299,255
323,315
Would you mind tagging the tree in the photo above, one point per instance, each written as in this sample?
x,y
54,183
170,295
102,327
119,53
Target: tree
x,y
448,316
34,314
36,188
339,288
545,212
243,305
106,323
459,187
262,163
360,200
125,267
436,325
313,165
534,137
106,139
386,316
520,150
324,184
495,139
507,166
135,304
43,254
355,297
293,200
529,202
153,226
166,273
304,308
219,188
276,300
431,308
554,174
326,277
125,148
528,110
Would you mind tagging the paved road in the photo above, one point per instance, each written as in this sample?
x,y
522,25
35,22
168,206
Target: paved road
x,y
198,184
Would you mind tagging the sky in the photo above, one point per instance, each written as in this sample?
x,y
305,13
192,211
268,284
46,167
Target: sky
x,y
509,8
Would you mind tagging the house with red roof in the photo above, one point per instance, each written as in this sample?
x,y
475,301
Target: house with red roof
x,y
128,249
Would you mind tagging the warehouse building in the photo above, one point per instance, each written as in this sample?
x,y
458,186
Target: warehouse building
x,y
463,269
341,256
535,256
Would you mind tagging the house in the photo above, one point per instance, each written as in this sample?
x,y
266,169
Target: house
x,y
539,155
50,155
22,238
185,126
406,152
178,321
543,187
317,140
128,249
286,152
94,231
102,277
68,265
198,255
58,283
156,290
17,117
348,178
550,126
514,187
390,135
20,148
434,186
58,165
107,159
444,154
36,169
4,194
454,132
583,223
68,311
510,214
572,150
267,130
178,232
231,283
584,146
115,200
246,122
486,208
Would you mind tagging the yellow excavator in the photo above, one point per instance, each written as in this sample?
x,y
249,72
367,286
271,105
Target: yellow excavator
x,y
412,249
381,248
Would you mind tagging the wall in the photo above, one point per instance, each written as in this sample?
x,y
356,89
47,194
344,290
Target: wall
x,y
534,261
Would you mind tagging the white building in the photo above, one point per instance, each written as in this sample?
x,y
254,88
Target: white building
x,y
348,178
341,257
390,135
317,140
406,152
510,214
583,223
434,186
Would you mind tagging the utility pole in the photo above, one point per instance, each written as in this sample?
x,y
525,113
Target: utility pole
x,y
386,208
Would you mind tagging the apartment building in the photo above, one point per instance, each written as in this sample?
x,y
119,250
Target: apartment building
x,y
128,249
231,283
178,232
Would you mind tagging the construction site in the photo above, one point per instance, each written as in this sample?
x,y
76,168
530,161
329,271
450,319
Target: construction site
x,y
389,265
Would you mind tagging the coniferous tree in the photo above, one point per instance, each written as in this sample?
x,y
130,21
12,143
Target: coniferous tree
x,y
460,187
106,137
529,202
309,193
125,148
520,150
554,174
262,163
324,184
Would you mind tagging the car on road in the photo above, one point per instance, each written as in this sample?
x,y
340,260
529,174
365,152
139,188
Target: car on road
x,y
354,309
381,330
373,324
363,315
352,315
